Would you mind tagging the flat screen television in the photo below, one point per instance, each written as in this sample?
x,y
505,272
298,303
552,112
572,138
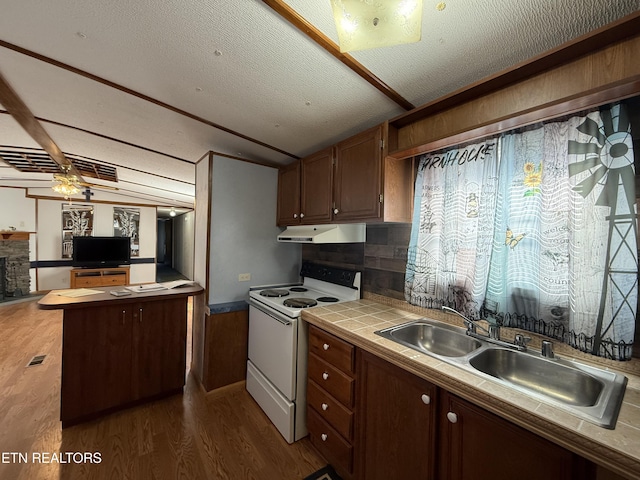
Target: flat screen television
x,y
96,252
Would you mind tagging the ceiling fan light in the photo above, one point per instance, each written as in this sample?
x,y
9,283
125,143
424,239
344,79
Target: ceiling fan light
x,y
67,183
365,24
66,189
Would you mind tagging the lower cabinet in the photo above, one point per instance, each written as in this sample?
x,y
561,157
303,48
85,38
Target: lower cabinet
x,y
331,399
396,421
478,445
387,424
113,355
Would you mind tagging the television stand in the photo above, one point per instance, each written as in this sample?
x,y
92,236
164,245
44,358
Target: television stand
x,y
99,277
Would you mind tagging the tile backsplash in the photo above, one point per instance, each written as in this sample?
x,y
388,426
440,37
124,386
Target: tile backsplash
x,y
382,259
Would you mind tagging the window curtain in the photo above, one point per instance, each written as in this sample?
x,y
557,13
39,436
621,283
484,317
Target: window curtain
x,y
563,259
452,234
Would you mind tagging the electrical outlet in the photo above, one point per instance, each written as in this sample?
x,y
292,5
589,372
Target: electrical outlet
x,y
244,277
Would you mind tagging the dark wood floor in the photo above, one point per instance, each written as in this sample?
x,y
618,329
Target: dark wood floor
x,y
219,435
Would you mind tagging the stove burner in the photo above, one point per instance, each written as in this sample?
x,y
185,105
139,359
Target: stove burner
x,y
328,299
298,289
274,292
299,302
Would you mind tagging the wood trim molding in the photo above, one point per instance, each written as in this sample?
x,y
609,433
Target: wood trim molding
x,y
139,95
290,15
584,101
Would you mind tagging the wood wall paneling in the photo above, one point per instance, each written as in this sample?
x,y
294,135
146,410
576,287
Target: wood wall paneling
x,y
607,70
225,349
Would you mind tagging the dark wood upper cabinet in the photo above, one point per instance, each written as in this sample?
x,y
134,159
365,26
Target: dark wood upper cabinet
x,y
289,194
316,193
352,181
305,190
358,186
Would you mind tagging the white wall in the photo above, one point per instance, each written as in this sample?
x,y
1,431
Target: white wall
x,y
243,231
49,241
201,228
183,234
16,210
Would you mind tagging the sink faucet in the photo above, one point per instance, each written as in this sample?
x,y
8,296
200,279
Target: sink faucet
x,y
472,325
492,333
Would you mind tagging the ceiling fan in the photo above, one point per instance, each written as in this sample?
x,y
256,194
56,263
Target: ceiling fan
x,y
69,180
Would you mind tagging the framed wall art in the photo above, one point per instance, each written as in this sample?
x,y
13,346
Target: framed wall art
x,y
77,220
126,223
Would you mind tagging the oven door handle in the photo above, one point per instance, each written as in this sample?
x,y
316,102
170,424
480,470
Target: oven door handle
x,y
266,312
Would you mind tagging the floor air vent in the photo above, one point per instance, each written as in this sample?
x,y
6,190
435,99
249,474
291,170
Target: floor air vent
x,y
37,360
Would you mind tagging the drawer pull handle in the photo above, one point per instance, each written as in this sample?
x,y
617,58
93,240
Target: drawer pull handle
x,y
325,406
325,346
324,437
426,399
452,417
325,376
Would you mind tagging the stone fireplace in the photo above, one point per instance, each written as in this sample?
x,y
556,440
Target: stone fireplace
x,y
14,264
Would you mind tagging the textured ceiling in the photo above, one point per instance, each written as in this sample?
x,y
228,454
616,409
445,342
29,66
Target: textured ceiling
x,y
238,65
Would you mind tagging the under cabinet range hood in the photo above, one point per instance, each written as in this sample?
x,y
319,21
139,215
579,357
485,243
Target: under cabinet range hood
x,y
342,233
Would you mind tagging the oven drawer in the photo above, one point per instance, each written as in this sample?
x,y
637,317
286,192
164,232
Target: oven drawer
x,y
330,410
331,379
337,451
331,349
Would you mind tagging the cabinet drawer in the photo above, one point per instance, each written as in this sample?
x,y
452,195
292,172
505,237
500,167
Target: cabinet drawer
x,y
89,281
337,451
330,410
331,349
334,381
99,280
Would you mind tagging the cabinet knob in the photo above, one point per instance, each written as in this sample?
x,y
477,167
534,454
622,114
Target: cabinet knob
x,y
295,215
124,313
325,346
324,437
325,376
336,211
325,406
426,399
452,417
302,215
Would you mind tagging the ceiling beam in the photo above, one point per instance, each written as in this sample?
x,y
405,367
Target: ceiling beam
x,y
21,113
286,12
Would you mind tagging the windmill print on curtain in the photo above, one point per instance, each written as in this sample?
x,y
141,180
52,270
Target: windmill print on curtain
x,y
563,259
603,178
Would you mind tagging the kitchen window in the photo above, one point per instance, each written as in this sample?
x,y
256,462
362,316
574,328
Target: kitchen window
x,y
534,229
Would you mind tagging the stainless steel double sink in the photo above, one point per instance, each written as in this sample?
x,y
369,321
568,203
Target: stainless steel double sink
x,y
590,393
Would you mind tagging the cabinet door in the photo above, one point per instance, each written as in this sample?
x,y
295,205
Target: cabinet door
x,y
159,347
477,445
317,187
358,177
289,195
96,361
396,413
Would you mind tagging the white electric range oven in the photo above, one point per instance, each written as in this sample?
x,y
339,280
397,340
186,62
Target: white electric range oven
x,y
278,341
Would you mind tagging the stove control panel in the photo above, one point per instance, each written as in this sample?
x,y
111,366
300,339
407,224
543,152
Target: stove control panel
x,y
335,275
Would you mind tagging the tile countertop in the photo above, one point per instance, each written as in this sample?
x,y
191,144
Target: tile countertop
x,y
617,450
